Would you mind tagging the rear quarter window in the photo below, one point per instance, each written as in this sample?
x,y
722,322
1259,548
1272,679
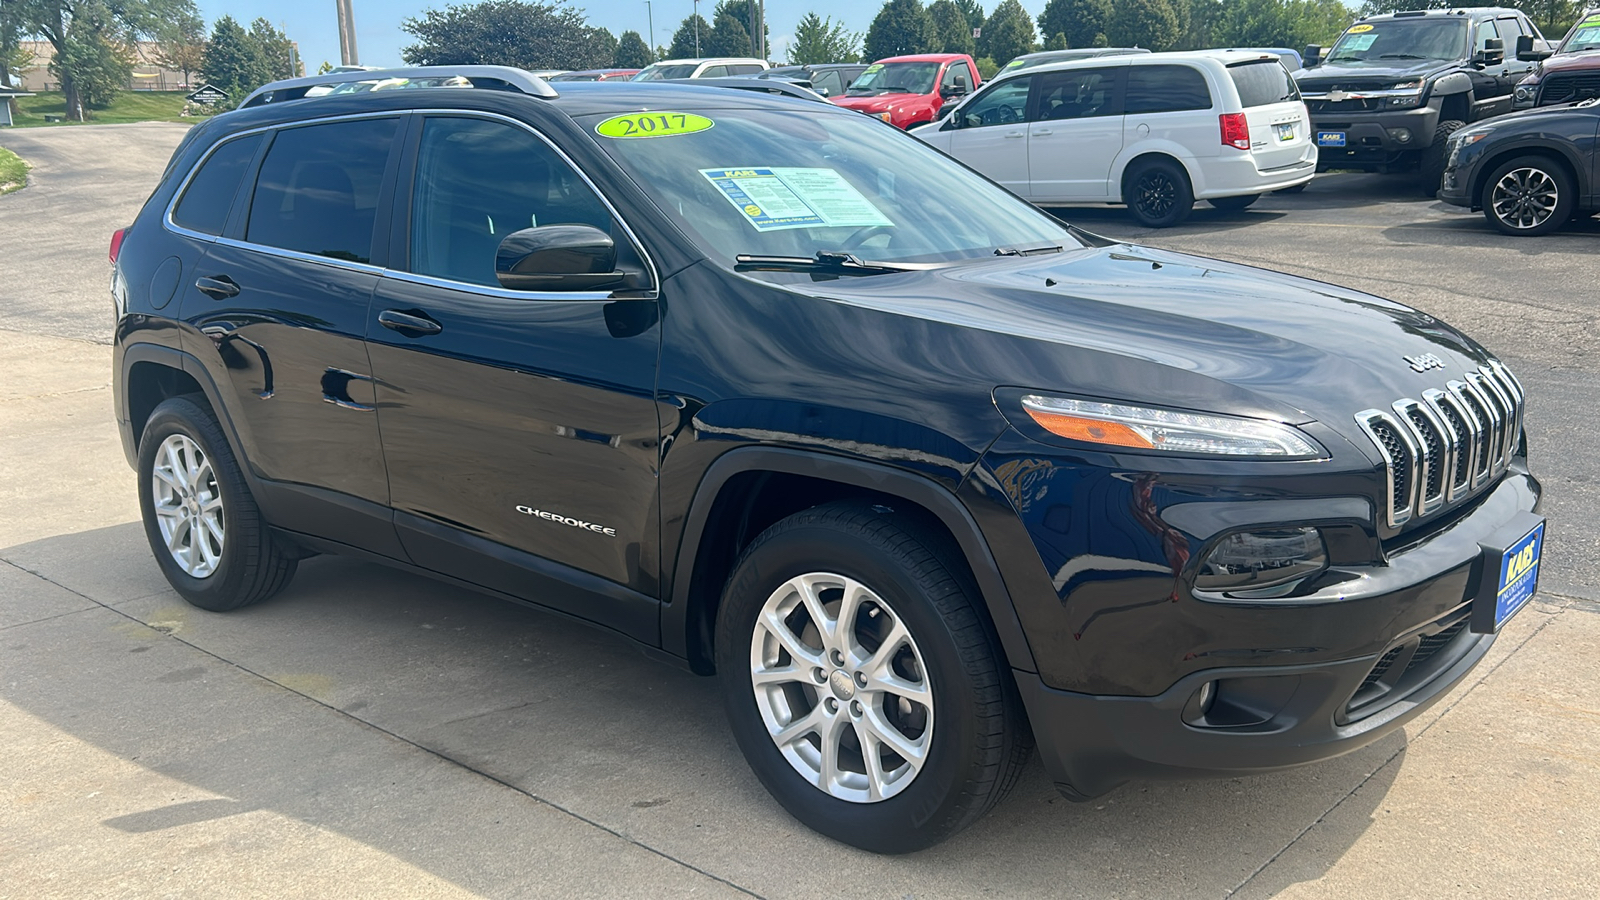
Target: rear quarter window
x,y
1166,88
1263,83
205,202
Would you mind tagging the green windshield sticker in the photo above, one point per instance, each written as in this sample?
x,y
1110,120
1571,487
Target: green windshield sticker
x,y
772,199
870,69
1592,20
652,124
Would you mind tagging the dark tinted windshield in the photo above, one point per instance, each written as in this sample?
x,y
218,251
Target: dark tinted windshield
x,y
770,182
1434,37
1263,83
666,73
1585,36
896,78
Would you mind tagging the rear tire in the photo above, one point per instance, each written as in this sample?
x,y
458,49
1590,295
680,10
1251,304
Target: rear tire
x,y
1433,156
886,719
1234,203
203,525
1157,193
1528,196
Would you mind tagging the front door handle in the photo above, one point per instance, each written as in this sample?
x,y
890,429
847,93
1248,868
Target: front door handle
x,y
1043,133
1013,134
217,287
413,323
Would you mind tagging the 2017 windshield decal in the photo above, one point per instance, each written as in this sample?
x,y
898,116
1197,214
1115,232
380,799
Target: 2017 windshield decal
x,y
653,124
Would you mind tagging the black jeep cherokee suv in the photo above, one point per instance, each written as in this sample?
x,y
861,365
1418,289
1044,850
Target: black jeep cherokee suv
x,y
1393,88
778,392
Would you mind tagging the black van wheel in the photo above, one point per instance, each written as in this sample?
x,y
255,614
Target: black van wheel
x,y
1434,156
861,682
1528,196
202,523
1157,193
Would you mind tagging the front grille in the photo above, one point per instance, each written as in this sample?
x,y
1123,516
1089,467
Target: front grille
x,y
1410,664
1354,104
1447,445
1569,87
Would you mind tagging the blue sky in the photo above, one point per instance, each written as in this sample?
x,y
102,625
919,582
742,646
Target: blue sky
x,y
379,38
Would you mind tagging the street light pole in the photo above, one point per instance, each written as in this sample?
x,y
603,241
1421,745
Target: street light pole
x,y
650,14
697,29
348,55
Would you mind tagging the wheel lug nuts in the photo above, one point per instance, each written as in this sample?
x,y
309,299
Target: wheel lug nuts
x,y
837,657
855,708
861,679
831,705
819,676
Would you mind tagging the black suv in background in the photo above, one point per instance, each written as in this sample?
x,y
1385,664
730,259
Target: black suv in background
x,y
776,391
1530,172
827,79
1393,88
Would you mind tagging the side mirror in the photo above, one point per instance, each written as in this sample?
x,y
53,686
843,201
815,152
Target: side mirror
x,y
1312,56
557,258
1526,51
1492,54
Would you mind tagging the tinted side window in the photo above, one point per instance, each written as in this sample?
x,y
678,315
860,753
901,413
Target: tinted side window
x,y
1485,32
1001,105
1263,83
1076,94
318,188
478,181
828,84
714,72
205,202
1153,89
744,69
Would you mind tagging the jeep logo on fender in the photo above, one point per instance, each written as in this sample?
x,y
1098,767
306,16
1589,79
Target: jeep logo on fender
x,y
575,523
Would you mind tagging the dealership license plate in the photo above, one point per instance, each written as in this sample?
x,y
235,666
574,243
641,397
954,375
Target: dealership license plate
x,y
1285,131
1510,578
1330,139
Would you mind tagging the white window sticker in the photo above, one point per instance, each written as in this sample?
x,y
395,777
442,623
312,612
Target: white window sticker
x,y
772,199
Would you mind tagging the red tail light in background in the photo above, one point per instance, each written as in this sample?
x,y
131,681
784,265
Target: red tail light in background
x,y
116,242
1235,131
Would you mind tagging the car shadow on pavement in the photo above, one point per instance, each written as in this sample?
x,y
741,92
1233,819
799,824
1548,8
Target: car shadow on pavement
x,y
1577,236
314,705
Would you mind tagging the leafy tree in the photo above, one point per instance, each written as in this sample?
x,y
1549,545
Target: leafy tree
x,y
1205,28
181,45
13,59
973,10
1554,17
1080,20
687,40
277,51
523,33
1057,41
1008,33
951,33
743,11
632,52
233,61
1318,22
1143,23
987,67
819,40
107,26
727,38
901,27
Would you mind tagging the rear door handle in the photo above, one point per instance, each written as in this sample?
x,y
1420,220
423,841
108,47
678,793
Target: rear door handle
x,y
217,287
1043,133
1013,134
411,324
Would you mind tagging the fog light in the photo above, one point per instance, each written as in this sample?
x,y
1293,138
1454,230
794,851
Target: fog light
x,y
1264,564
1194,712
1403,135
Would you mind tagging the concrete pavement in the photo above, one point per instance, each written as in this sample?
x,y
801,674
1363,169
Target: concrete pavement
x,y
371,733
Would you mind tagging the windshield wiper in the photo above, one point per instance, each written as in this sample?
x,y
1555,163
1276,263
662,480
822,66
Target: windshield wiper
x,y
1027,251
825,261
1400,56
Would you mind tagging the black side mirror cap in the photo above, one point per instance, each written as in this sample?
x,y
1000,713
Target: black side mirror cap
x,y
1312,56
557,258
1492,54
1526,52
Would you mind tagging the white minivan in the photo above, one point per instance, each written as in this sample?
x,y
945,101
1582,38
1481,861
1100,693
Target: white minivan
x,y
1155,131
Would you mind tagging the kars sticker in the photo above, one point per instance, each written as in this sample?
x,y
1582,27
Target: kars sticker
x,y
653,124
1359,29
773,199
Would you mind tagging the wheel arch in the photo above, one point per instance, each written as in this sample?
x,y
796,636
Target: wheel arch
x,y
747,489
152,373
1556,154
1152,154
1454,95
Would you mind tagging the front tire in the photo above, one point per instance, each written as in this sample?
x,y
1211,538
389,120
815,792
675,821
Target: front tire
x,y
1434,158
1157,193
207,535
1528,196
861,682
1234,203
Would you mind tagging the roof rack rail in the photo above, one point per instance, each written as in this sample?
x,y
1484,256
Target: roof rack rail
x,y
502,78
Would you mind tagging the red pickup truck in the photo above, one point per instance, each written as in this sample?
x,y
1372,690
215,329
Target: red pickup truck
x,y
908,90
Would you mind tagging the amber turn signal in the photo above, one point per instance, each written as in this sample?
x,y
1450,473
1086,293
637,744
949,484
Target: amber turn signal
x,y
1093,431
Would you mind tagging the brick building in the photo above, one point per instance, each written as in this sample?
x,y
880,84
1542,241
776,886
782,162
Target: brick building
x,y
148,75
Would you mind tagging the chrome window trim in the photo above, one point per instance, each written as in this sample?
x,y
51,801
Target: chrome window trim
x,y
650,293
1394,516
1424,470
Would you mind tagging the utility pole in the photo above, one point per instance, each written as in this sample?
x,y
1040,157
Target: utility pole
x,y
650,14
697,29
348,56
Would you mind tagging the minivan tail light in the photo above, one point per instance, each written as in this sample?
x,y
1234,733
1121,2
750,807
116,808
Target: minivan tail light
x,y
1235,130
116,242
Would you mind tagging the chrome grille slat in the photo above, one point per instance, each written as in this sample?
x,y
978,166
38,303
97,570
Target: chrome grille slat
x,y
1441,448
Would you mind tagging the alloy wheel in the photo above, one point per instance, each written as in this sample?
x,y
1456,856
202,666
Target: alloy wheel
x,y
841,687
188,505
1525,198
1155,194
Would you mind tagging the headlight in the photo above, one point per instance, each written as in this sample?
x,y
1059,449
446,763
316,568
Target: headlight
x,y
1524,93
1173,431
1263,564
1407,94
887,117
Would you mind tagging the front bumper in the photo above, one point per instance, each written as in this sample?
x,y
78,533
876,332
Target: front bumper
x,y
1372,138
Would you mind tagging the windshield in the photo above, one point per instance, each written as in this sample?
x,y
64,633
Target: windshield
x,y
1401,39
1585,36
658,72
769,182
896,78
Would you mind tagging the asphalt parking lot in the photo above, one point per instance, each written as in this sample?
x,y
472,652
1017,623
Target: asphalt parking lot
x,y
369,733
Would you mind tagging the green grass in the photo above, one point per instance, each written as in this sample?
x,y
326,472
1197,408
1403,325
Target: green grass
x,y
129,106
13,172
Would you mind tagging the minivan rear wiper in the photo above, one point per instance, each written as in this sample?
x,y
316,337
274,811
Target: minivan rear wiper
x,y
825,261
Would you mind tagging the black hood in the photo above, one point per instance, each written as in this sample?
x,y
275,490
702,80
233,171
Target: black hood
x,y
1376,74
1182,329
